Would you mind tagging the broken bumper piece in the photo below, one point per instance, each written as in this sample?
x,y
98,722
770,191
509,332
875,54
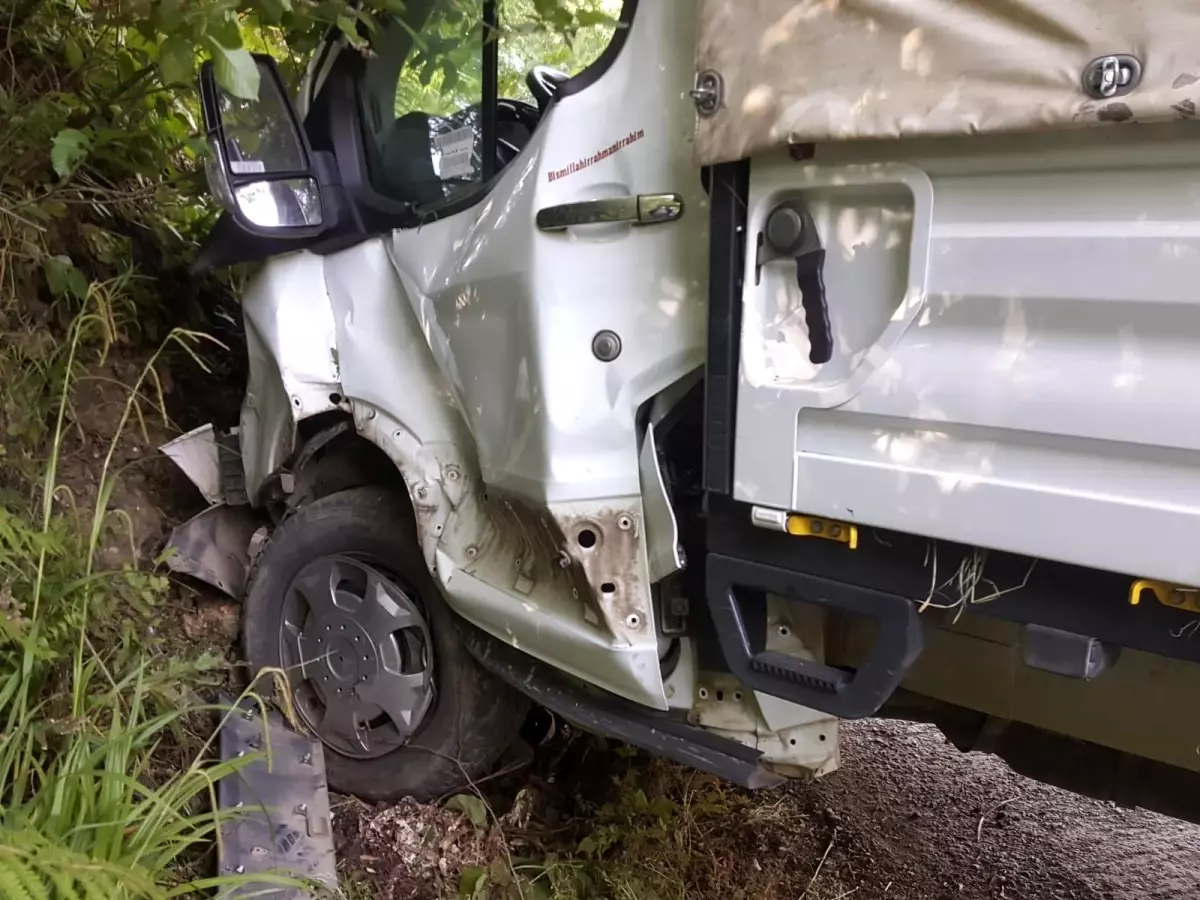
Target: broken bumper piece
x,y
278,808
214,546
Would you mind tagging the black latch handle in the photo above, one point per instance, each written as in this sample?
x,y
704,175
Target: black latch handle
x,y
816,313
791,233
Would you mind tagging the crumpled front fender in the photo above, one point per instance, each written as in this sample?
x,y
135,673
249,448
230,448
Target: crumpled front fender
x,y
294,373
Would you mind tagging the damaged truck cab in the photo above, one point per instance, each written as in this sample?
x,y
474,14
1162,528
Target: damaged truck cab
x,y
719,390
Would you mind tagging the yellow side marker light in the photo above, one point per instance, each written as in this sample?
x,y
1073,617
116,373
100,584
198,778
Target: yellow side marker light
x,y
830,530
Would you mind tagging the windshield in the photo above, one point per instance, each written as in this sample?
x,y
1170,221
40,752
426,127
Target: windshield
x,y
422,89
420,99
524,44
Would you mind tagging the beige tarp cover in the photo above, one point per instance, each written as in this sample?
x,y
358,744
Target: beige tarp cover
x,y
814,70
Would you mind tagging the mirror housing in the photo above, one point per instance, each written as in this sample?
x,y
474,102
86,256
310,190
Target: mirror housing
x,y
260,166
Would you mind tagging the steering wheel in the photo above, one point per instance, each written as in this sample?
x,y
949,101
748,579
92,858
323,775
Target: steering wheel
x,y
543,83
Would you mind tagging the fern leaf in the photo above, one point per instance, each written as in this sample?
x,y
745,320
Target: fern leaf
x,y
19,882
65,886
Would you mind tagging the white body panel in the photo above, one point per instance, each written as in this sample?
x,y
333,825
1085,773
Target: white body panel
x,y
1015,322
463,348
511,311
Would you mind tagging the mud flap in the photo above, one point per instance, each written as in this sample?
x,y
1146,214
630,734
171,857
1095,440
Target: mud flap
x,y
279,820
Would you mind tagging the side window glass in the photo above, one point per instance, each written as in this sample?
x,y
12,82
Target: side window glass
x,y
526,43
421,88
422,93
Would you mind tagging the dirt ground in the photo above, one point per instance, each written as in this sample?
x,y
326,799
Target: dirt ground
x,y
908,817
912,817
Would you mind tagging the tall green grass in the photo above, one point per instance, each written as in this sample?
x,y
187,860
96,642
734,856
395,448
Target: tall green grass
x,y
103,795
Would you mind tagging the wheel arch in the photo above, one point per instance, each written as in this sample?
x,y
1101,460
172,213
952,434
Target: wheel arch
x,y
331,456
338,451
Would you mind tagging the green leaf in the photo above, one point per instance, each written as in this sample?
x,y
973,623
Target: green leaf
x,y
77,283
271,11
127,66
473,806
169,15
588,17
176,127
224,30
663,808
235,70
53,208
348,25
73,52
197,146
67,151
427,71
175,60
56,269
63,276
472,882
207,662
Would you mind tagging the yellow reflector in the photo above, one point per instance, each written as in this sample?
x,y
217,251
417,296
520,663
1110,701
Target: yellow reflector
x,y
830,530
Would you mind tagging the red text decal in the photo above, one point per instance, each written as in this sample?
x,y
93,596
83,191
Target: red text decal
x,y
578,165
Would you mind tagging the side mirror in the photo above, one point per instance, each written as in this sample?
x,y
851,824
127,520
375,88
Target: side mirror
x,y
260,168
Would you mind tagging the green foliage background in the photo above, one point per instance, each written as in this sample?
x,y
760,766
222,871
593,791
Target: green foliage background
x,y
444,75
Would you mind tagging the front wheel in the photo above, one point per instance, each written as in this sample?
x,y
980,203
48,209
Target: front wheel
x,y
341,599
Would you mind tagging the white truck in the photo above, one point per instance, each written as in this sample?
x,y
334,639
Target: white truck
x,y
794,361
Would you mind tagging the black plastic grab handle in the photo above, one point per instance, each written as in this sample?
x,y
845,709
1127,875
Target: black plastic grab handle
x,y
816,313
899,637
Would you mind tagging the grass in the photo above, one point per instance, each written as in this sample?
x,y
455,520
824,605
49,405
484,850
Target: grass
x,y
663,834
107,787
106,763
590,821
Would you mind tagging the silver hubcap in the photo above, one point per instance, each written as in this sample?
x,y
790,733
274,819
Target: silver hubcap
x,y
359,656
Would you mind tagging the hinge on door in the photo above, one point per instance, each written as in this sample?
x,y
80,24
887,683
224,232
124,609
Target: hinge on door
x,y
708,93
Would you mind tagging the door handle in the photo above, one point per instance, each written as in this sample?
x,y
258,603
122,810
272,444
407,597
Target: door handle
x,y
644,209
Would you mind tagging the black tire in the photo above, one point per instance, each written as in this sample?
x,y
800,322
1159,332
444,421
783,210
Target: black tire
x,y
474,717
